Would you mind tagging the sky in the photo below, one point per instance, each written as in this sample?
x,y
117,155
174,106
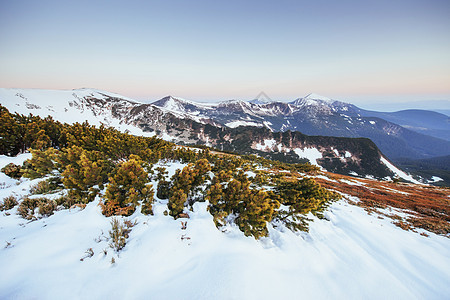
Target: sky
x,y
364,52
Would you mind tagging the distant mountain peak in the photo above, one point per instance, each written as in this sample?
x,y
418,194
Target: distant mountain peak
x,y
314,96
178,100
262,98
313,100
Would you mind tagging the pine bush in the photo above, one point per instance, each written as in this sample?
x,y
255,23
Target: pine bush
x,y
127,188
12,170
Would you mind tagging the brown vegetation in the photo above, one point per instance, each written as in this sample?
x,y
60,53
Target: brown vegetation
x,y
428,207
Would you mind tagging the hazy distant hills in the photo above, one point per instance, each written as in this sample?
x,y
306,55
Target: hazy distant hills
x,y
422,121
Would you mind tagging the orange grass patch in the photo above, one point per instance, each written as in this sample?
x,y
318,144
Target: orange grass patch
x,y
428,207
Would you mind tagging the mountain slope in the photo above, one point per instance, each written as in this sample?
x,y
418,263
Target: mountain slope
x,y
318,115
181,121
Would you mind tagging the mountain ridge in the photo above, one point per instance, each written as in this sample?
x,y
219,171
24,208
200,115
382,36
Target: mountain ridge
x,y
187,125
324,116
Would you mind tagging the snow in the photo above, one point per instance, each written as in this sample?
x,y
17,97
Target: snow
x,y
398,172
173,105
347,154
324,177
395,191
17,160
167,137
435,179
216,265
313,100
353,255
351,182
235,124
268,145
312,154
318,97
267,124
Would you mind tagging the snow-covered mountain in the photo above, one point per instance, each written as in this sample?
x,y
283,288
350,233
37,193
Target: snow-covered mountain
x,y
70,106
213,124
317,115
311,115
313,100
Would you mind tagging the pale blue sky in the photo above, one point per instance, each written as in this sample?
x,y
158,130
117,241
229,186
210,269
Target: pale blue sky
x,y
359,51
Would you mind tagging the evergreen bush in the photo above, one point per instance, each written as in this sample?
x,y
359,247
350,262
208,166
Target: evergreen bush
x,y
127,188
12,170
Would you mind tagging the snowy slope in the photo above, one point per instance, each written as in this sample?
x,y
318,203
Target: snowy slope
x,y
398,172
69,106
352,255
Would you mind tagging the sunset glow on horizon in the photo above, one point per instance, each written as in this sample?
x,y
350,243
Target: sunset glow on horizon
x,y
205,50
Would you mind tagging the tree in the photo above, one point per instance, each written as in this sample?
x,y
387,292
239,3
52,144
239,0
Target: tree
x,y
252,209
84,174
41,141
176,202
302,197
127,188
255,212
42,162
185,185
10,136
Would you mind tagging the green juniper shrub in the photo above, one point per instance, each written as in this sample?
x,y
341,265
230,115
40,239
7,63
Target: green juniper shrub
x,y
227,163
302,196
163,189
161,173
12,170
261,178
127,188
252,208
147,202
10,130
185,186
42,163
177,201
84,174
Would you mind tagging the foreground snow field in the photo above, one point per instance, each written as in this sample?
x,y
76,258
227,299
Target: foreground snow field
x,y
352,255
